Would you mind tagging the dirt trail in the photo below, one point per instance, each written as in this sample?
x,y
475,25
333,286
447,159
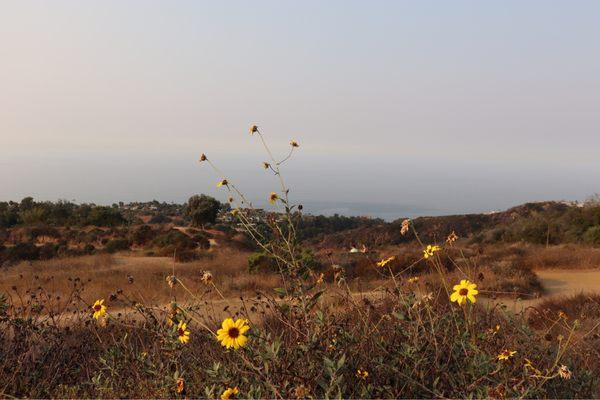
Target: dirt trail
x,y
561,282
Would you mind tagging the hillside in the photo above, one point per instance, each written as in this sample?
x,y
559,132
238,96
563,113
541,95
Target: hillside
x,y
540,223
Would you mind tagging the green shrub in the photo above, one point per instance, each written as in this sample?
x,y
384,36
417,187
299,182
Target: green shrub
x,y
160,219
143,235
202,210
89,249
115,245
592,235
261,261
174,239
48,251
23,251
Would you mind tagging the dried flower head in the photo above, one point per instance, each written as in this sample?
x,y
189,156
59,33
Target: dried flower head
x,y
223,182
293,143
266,165
452,237
564,372
301,392
171,281
253,129
203,157
273,197
235,212
405,226
427,297
206,278
413,279
230,199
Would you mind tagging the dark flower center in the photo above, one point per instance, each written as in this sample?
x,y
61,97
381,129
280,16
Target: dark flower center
x,y
233,332
97,307
463,292
180,332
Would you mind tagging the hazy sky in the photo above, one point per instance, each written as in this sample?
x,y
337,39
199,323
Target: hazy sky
x,y
419,107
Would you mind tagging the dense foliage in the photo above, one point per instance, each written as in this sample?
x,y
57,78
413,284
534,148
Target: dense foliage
x,y
202,209
60,213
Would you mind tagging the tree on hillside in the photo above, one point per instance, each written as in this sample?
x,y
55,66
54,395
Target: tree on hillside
x,y
202,209
27,203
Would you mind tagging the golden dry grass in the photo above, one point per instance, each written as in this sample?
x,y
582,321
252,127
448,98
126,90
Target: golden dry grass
x,y
105,274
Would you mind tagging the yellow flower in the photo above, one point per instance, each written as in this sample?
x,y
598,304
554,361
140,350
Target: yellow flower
x,y
273,197
293,143
414,279
253,129
430,250
223,182
99,309
232,333
182,333
226,395
384,262
180,385
463,291
235,212
362,374
505,355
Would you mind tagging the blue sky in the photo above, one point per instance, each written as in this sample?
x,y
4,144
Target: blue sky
x,y
427,106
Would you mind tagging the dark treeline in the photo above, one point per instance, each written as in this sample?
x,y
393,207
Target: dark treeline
x,y
316,226
65,213
60,213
